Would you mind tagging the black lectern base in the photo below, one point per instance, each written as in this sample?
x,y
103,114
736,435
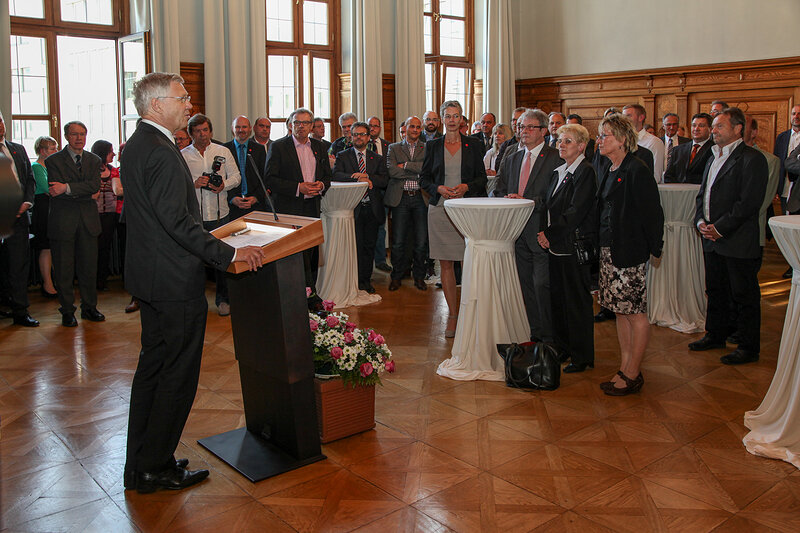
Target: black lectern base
x,y
252,456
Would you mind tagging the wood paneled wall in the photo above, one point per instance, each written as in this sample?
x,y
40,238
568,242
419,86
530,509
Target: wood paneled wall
x,y
767,89
390,132
193,75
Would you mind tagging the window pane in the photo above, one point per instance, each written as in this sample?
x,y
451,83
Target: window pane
x,y
280,26
315,22
128,127
133,68
327,131
26,8
91,11
457,86
427,6
429,103
454,8
428,35
278,130
322,88
451,37
89,65
29,93
282,83
26,132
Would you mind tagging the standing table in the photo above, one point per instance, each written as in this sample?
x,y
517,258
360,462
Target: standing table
x,y
676,288
775,425
337,278
492,311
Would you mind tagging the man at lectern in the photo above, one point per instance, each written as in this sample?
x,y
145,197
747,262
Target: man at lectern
x,y
167,247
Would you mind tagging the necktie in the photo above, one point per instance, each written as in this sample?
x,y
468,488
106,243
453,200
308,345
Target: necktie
x,y
694,153
669,151
524,174
362,166
243,167
78,162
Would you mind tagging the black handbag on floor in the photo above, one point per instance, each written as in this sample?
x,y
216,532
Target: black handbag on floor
x,y
531,365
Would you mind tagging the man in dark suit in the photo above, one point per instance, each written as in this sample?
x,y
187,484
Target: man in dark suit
x,y
688,160
513,140
409,212
488,121
785,143
345,141
262,128
14,249
555,120
360,164
74,223
527,174
166,250
431,124
734,184
298,174
671,139
380,146
318,132
251,158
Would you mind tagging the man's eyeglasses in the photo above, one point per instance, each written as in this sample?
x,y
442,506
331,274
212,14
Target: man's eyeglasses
x,y
360,134
183,99
302,122
530,127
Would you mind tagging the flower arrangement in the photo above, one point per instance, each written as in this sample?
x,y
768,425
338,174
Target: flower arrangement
x,y
340,348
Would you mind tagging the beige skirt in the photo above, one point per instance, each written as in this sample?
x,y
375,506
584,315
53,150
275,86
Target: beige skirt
x,y
445,242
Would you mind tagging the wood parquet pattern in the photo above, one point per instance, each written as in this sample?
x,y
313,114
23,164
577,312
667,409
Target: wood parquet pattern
x,y
445,455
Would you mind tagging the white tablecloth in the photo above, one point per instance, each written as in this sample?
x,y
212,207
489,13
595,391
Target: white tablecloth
x,y
775,425
492,311
337,278
676,289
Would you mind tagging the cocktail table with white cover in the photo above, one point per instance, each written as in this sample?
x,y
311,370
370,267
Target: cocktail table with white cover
x,y
676,289
492,311
337,278
775,425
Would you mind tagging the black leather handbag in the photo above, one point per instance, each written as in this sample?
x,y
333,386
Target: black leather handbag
x,y
585,249
531,365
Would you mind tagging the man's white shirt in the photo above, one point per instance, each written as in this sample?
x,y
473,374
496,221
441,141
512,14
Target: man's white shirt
x,y
655,145
212,204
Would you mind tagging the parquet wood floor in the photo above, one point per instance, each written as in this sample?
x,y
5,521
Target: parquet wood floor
x,y
444,456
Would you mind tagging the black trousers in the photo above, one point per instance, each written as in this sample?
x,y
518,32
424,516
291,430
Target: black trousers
x,y
533,267
366,237
14,264
76,253
573,320
219,276
734,299
165,381
108,224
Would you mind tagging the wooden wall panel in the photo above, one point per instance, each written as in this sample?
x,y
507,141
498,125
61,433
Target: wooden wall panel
x,y
389,104
767,89
193,75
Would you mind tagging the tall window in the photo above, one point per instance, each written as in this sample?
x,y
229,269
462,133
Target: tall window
x,y
449,55
301,56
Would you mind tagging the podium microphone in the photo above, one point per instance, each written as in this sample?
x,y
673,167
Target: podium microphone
x,y
261,181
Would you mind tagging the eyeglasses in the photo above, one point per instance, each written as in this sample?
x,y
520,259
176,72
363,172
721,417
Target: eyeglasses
x,y
185,99
302,122
360,134
602,136
530,127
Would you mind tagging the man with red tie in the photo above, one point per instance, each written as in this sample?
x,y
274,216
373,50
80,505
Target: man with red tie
x,y
688,160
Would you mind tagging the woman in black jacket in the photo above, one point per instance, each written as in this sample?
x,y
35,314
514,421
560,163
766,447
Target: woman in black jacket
x,y
631,231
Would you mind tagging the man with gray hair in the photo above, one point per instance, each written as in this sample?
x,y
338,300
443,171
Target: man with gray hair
x,y
345,141
167,249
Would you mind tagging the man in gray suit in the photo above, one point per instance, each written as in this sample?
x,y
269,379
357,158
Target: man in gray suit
x,y
409,211
527,173
74,223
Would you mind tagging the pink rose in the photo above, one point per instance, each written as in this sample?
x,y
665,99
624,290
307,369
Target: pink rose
x,y
365,369
379,339
308,292
328,305
390,366
350,326
371,336
336,352
313,324
332,321
348,337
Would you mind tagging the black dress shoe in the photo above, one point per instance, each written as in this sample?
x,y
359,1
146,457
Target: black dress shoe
x,y
394,284
370,289
130,476
572,368
739,357
733,339
92,314
383,267
170,479
788,273
50,295
25,320
706,343
182,463
420,284
604,314
68,320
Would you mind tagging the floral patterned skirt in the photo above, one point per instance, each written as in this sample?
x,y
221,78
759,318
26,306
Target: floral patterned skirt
x,y
622,290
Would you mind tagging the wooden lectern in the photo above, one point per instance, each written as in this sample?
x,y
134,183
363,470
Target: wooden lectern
x,y
269,315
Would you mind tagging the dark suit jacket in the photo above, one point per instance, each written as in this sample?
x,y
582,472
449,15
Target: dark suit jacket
x,y
347,165
166,244
480,135
384,146
25,175
680,170
781,150
258,155
736,197
601,163
399,153
637,219
589,152
571,208
681,140
536,189
284,175
473,173
78,207
792,165
342,143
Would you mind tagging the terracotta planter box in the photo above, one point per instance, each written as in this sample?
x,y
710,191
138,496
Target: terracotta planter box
x,y
343,410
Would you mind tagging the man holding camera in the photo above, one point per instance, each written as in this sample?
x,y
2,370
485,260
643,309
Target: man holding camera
x,y
214,171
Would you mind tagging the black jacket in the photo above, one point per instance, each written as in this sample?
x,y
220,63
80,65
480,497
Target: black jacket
x,y
473,172
680,170
284,175
572,207
347,165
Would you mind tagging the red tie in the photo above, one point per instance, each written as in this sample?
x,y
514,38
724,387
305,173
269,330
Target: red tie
x,y
524,174
694,153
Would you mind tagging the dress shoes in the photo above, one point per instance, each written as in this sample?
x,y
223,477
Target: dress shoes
x,y
420,284
92,314
706,343
739,357
733,339
25,320
604,315
172,478
383,267
366,287
130,476
632,386
394,284
788,273
68,320
133,306
573,368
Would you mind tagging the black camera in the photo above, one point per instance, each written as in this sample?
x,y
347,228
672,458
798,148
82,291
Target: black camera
x,y
214,179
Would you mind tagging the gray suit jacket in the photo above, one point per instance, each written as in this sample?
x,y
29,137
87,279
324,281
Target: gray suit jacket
x,y
399,153
77,207
792,164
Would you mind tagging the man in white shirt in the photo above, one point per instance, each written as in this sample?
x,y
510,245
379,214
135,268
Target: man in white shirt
x,y
200,157
637,116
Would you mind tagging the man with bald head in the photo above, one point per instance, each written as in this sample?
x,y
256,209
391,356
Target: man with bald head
x,y
262,128
251,159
